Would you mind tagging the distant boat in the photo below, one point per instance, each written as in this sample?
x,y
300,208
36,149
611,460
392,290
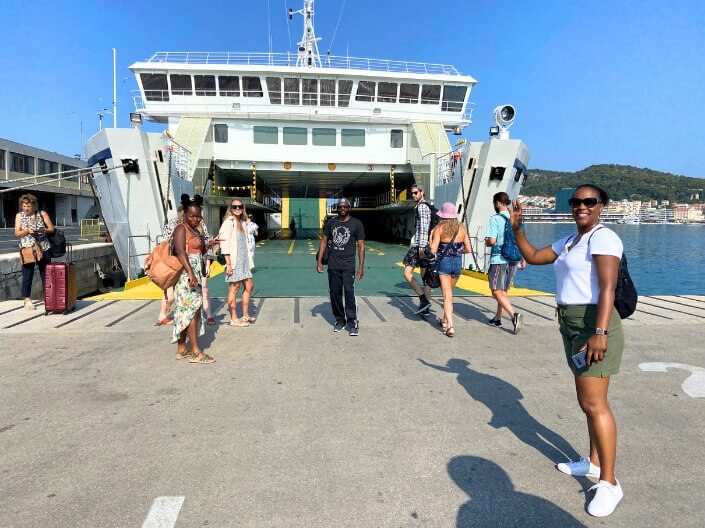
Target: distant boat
x,y
631,219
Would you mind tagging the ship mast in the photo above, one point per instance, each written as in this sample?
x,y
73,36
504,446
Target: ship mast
x,y
308,56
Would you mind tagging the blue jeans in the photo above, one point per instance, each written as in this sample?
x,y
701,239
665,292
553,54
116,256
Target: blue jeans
x,y
450,265
28,273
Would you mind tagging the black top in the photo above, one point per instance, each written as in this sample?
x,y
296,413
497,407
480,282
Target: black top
x,y
342,242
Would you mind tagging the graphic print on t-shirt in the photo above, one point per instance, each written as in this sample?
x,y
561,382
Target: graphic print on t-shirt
x,y
341,236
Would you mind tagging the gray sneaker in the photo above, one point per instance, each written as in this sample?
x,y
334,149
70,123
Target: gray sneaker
x,y
354,329
338,327
518,322
424,309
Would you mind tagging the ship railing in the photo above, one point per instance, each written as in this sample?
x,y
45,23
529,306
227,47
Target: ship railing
x,y
291,59
131,255
250,106
91,227
449,167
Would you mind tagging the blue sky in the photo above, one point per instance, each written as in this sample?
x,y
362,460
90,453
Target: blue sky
x,y
593,81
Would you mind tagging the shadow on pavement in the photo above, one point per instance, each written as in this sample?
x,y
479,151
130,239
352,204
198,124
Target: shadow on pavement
x,y
325,311
495,502
503,400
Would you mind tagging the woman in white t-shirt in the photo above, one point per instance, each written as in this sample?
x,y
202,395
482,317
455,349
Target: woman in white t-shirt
x,y
586,265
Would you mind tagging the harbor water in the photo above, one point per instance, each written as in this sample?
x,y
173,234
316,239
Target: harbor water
x,y
663,259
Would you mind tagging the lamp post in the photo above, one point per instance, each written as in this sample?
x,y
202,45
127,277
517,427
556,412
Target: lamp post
x,y
102,113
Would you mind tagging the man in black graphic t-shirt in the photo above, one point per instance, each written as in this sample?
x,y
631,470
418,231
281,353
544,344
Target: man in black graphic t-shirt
x,y
343,237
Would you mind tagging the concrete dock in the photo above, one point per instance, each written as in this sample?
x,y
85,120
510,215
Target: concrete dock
x,y
297,426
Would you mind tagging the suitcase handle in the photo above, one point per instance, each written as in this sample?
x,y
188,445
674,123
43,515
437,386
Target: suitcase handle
x,y
69,252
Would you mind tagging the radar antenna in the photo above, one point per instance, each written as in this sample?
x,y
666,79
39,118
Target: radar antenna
x,y
308,56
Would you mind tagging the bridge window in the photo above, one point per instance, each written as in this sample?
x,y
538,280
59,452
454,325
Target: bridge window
x,y
181,84
21,163
220,133
310,92
46,166
387,92
266,135
453,97
327,92
352,137
397,139
295,136
251,87
430,93
274,87
344,91
365,91
205,84
154,86
324,137
292,88
409,93
229,86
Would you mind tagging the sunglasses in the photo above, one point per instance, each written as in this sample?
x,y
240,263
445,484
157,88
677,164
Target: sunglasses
x,y
237,207
589,202
415,192
341,206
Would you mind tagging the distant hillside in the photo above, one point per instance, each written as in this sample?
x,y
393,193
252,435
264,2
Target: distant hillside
x,y
620,181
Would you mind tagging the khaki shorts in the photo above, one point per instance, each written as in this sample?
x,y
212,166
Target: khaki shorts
x,y
577,324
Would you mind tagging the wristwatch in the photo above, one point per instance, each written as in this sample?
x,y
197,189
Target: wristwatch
x,y
601,331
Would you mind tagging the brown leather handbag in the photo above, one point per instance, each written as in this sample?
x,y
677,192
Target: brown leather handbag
x,y
30,255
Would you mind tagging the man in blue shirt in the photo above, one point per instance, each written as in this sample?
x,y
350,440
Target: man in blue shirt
x,y
501,272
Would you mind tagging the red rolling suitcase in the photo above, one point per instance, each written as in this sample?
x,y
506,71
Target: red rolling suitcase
x,y
61,288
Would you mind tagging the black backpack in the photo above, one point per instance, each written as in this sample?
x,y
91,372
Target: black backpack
x,y
625,294
434,215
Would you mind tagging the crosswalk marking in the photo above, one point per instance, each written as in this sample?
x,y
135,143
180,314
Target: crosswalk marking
x,y
164,512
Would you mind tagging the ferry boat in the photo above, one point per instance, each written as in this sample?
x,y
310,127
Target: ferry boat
x,y
289,133
631,219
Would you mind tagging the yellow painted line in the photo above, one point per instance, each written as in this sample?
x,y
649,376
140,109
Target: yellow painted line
x,y
291,247
477,283
145,290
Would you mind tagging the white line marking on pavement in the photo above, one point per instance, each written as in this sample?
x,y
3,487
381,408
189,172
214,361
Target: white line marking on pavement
x,y
693,386
164,512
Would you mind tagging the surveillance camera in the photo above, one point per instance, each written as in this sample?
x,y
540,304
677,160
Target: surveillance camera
x,y
504,116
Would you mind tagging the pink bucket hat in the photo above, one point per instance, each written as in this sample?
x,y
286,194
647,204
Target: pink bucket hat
x,y
447,211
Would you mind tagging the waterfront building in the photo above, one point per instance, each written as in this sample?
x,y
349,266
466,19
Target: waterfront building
x,y
662,215
63,194
562,196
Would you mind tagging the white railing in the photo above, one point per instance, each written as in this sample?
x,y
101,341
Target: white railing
x,y
289,60
256,106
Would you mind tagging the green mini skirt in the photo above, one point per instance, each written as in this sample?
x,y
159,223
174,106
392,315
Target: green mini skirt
x,y
577,325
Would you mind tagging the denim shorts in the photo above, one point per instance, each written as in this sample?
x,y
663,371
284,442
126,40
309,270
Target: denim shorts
x,y
450,265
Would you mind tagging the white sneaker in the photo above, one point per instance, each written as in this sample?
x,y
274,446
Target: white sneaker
x,y
606,498
582,468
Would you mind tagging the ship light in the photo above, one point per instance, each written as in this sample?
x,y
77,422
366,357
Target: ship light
x,y
494,131
287,165
136,119
331,166
377,110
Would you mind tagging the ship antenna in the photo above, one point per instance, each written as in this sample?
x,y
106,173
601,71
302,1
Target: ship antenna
x,y
308,56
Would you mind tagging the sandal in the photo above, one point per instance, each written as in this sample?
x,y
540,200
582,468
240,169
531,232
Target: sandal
x,y
449,332
29,306
251,319
210,321
164,322
239,322
184,354
205,359
441,322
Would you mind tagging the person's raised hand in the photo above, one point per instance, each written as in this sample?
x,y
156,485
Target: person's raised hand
x,y
516,217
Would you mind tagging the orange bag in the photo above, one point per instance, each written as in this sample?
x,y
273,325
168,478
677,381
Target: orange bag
x,y
163,268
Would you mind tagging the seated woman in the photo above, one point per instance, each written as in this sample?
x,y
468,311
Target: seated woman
x,y
449,241
32,227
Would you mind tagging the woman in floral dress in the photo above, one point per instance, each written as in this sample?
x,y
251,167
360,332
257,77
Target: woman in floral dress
x,y
235,246
189,247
